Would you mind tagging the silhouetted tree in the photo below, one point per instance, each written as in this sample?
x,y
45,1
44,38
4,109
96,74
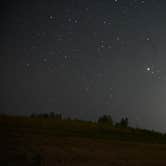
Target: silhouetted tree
x,y
124,122
45,115
105,119
52,115
32,115
58,116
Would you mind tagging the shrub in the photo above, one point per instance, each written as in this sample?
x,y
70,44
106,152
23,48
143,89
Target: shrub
x,y
58,116
52,115
105,119
124,122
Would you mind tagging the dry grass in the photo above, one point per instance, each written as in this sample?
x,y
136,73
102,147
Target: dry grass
x,y
24,145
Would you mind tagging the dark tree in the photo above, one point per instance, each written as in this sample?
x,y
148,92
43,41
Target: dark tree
x,y
124,122
45,115
32,115
105,119
58,116
52,115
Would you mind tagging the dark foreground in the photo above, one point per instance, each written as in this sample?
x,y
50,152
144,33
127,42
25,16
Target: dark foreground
x,y
36,142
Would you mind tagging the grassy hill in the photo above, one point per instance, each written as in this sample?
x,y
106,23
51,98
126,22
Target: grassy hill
x,y
48,141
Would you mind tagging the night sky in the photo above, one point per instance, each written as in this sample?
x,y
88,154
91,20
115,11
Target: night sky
x,y
85,58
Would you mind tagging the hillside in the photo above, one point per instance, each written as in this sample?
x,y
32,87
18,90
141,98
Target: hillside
x,y
47,141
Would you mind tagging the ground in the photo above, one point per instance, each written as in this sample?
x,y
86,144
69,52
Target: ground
x,y
24,145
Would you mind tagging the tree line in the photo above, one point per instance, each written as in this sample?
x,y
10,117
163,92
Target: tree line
x,y
104,119
107,119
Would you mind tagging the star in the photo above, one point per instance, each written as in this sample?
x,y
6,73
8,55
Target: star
x,y
27,65
102,46
76,21
65,57
52,17
147,38
86,8
69,19
117,38
45,60
27,68
148,69
110,89
109,46
86,89
110,96
105,22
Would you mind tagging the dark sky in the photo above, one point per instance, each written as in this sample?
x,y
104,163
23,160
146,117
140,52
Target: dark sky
x,y
85,58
